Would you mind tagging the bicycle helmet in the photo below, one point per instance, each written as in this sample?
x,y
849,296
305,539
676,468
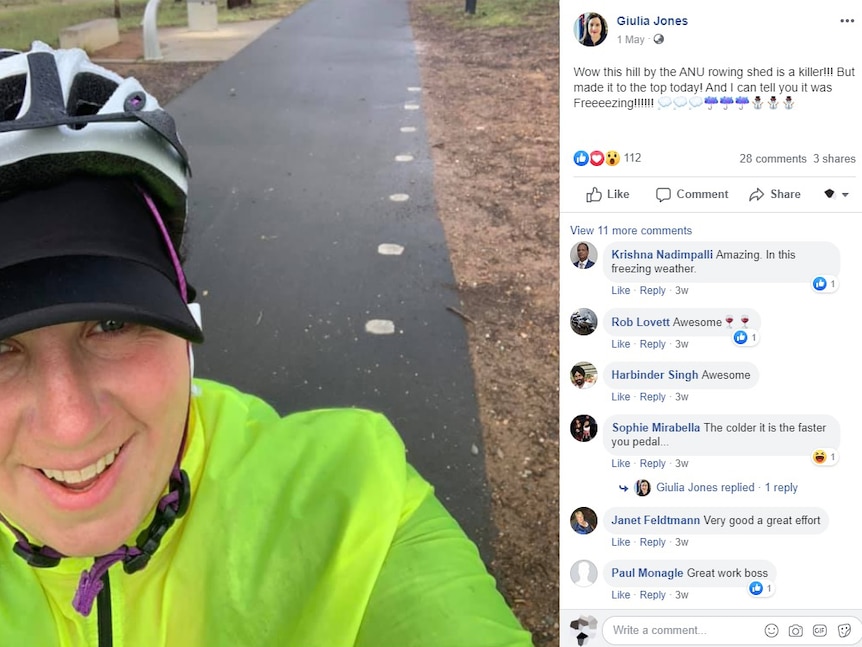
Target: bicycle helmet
x,y
89,164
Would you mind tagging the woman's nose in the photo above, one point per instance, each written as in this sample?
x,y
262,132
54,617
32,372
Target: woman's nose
x,y
67,409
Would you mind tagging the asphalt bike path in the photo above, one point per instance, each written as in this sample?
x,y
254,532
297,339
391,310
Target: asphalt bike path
x,y
314,243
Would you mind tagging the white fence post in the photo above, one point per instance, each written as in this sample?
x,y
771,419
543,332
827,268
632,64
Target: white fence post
x,y
152,51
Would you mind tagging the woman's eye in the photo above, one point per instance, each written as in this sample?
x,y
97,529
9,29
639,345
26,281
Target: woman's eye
x,y
110,325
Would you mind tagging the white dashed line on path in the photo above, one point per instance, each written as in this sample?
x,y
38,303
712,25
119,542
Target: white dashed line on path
x,y
380,327
390,249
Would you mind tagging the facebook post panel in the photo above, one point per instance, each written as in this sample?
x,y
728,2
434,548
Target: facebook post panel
x,y
710,302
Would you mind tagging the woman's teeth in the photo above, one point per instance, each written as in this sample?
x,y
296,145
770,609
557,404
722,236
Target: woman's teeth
x,y
84,474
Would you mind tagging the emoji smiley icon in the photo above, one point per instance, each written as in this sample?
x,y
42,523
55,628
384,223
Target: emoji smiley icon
x,y
819,456
612,158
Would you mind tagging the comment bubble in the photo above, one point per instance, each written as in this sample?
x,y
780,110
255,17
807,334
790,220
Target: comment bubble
x,y
662,194
685,375
677,572
688,322
717,521
724,262
720,435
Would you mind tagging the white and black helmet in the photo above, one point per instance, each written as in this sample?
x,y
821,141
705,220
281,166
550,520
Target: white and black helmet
x,y
93,198
61,115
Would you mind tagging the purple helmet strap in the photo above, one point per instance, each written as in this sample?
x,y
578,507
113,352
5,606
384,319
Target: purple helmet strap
x,y
181,277
23,545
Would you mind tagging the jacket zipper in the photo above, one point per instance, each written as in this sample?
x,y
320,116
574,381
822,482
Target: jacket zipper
x,y
103,611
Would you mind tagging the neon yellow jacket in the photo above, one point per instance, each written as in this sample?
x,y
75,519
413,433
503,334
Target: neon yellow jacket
x,y
304,531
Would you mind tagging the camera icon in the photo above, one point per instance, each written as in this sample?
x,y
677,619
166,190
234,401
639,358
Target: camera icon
x,y
795,631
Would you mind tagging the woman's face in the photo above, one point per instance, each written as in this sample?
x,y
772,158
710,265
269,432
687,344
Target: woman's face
x,y
644,487
579,518
91,418
594,27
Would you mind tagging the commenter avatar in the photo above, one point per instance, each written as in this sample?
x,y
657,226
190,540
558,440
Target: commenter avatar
x,y
642,487
583,256
584,521
583,375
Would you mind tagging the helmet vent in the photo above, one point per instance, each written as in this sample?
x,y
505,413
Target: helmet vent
x,y
135,102
12,96
88,94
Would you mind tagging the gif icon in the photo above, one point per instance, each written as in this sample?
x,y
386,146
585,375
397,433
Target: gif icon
x,y
819,631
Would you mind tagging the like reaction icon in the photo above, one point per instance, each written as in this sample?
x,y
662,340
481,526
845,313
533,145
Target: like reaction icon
x,y
581,158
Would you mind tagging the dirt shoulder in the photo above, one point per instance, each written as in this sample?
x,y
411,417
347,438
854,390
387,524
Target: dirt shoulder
x,y
490,99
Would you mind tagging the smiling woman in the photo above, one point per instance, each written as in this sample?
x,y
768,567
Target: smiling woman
x,y
179,511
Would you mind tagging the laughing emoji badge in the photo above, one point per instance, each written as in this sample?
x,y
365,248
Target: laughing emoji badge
x,y
819,456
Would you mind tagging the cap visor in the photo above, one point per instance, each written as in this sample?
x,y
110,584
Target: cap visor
x,y
57,290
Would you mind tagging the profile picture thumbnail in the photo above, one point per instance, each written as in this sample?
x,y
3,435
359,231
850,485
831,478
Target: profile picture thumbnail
x,y
591,29
584,375
584,572
583,428
584,321
642,487
584,520
583,255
